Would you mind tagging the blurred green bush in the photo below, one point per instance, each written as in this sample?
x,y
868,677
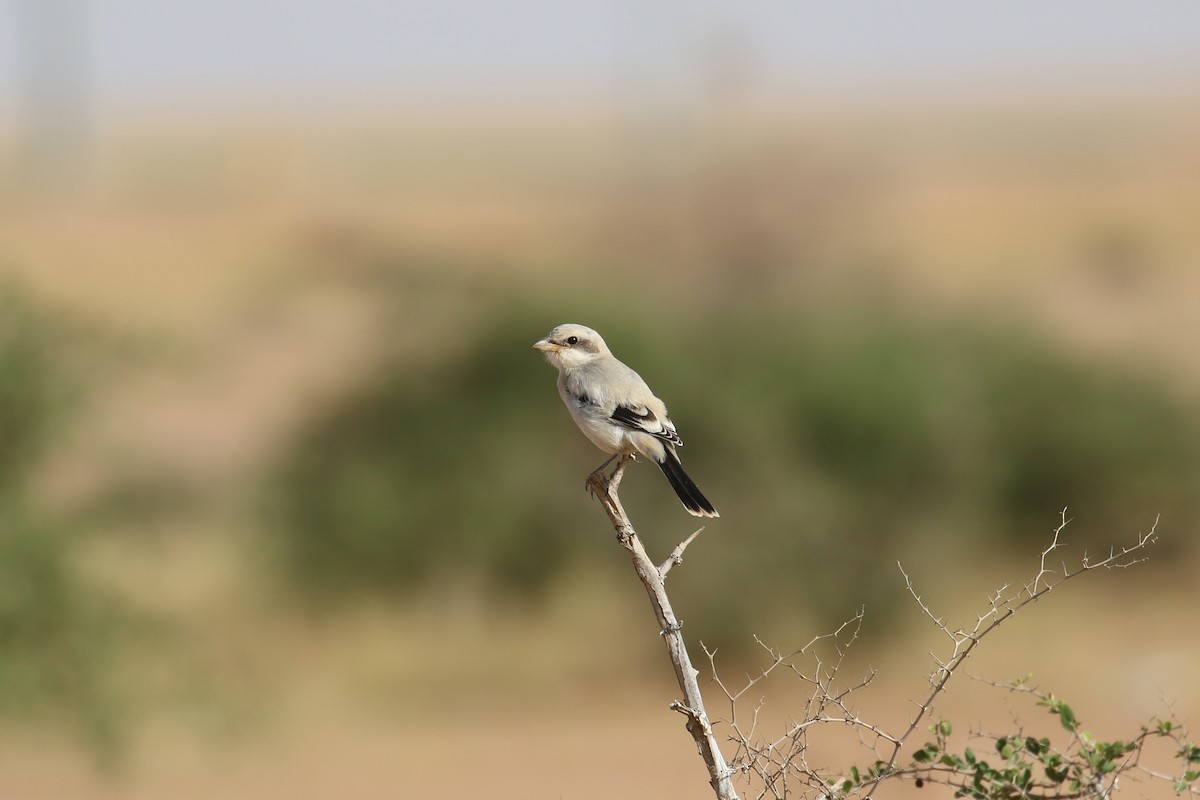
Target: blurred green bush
x,y
32,392
832,446
56,630
58,637
443,470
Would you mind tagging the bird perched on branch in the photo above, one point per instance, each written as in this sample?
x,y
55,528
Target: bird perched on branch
x,y
615,408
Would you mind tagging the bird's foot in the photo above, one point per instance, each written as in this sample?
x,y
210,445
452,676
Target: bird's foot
x,y
597,484
600,485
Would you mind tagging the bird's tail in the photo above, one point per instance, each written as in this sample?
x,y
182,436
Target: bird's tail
x,y
693,500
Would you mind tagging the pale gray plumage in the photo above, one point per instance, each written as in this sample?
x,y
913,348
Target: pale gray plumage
x,y
615,408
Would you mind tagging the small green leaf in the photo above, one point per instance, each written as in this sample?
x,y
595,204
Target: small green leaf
x,y
1066,716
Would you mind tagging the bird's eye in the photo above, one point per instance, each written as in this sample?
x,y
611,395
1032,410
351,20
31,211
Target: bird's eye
x,y
572,340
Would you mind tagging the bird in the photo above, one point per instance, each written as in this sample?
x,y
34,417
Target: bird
x,y
615,408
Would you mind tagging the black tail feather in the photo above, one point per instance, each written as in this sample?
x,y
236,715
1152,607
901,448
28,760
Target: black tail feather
x,y
693,500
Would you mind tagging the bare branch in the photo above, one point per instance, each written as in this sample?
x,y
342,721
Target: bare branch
x,y
676,556
1001,608
779,765
651,576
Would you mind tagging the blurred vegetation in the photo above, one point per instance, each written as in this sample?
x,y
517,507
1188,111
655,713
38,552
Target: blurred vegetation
x,y
420,473
57,631
33,393
820,438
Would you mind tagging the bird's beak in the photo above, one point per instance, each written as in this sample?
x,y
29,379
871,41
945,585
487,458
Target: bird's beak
x,y
546,346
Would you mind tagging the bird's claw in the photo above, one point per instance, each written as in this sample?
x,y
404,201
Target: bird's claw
x,y
596,484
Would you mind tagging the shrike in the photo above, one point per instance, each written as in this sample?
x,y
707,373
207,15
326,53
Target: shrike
x,y
615,408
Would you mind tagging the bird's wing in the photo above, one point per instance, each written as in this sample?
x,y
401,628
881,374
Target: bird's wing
x,y
640,418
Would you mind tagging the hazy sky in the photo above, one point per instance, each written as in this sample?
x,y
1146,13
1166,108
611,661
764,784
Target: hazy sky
x,y
177,54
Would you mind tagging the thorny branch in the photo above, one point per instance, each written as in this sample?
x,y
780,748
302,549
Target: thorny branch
x,y
651,576
779,766
1001,607
676,556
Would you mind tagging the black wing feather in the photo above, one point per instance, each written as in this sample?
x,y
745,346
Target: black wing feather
x,y
639,420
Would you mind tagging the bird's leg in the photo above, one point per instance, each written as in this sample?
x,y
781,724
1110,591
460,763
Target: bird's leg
x,y
598,484
614,480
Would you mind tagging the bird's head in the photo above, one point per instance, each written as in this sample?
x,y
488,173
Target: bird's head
x,y
569,346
